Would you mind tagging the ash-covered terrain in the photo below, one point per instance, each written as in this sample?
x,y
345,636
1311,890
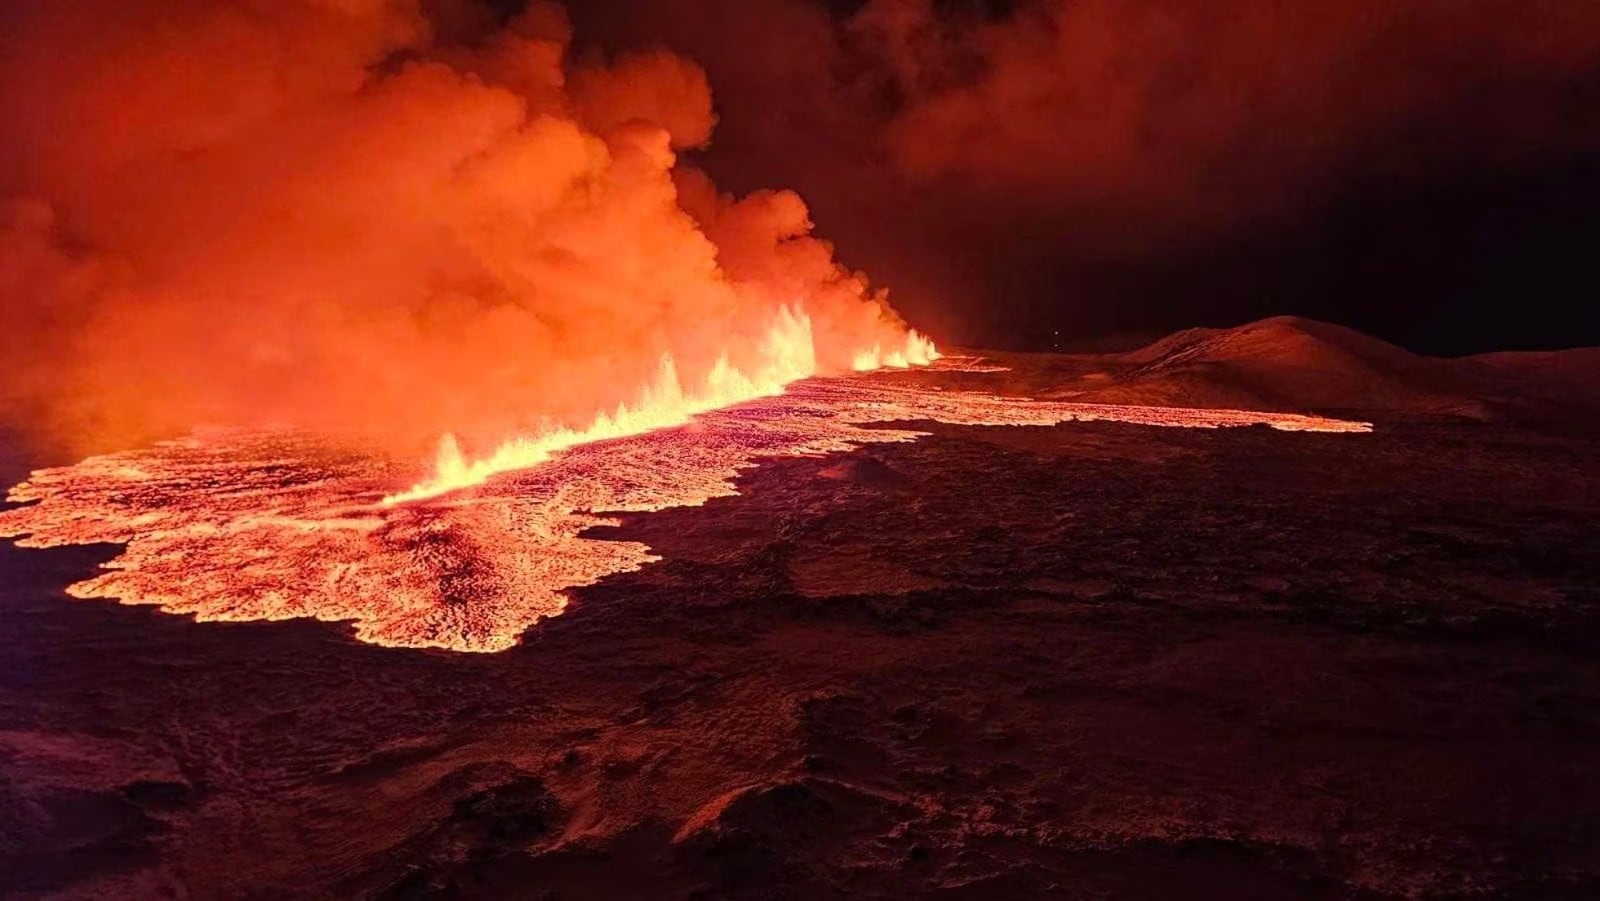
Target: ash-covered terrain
x,y
1089,659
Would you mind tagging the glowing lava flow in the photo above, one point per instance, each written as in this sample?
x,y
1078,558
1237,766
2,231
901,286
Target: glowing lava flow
x,y
788,354
249,526
919,351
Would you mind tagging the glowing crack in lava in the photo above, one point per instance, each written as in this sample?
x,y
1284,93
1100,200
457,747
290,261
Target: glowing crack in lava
x,y
235,525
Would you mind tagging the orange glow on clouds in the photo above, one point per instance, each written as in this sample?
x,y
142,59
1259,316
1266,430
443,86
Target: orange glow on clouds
x,y
329,216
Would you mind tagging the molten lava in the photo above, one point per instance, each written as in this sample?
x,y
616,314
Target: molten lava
x,y
787,355
918,351
249,525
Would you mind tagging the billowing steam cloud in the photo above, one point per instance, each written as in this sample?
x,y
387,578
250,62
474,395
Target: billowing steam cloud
x,y
344,214
1207,109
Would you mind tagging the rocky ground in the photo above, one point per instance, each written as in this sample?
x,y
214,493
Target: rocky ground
x,y
1088,660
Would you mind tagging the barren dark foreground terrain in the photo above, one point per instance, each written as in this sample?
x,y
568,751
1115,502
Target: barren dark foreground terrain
x,y
1092,660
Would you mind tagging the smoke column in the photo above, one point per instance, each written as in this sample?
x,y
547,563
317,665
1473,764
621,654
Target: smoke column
x,y
361,217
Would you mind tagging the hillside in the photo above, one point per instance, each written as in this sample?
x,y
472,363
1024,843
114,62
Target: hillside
x,y
1288,363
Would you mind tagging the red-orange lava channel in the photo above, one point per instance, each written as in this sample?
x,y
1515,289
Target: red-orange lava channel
x,y
243,526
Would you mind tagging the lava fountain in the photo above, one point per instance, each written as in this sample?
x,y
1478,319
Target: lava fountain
x,y
787,355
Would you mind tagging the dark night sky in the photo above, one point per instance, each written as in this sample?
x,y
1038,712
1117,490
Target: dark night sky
x,y
1425,171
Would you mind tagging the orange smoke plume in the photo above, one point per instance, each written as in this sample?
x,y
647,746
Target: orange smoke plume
x,y
334,214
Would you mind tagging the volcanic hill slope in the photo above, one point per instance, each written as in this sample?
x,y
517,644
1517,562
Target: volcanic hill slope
x,y
1087,660
1288,363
